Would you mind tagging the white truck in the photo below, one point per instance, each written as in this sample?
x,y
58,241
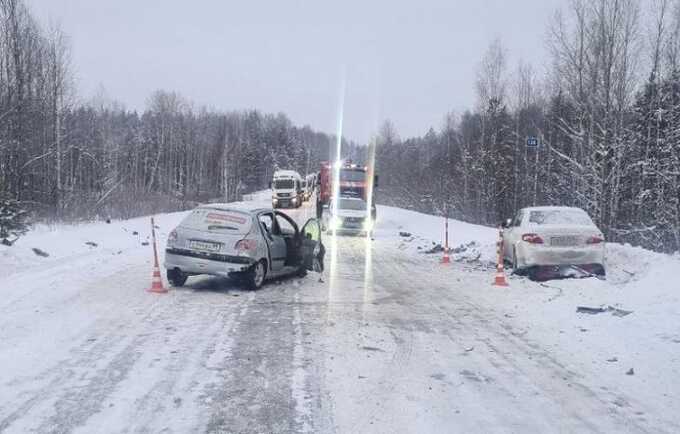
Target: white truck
x,y
287,191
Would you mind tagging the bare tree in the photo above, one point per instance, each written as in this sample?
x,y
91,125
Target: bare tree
x,y
60,91
491,80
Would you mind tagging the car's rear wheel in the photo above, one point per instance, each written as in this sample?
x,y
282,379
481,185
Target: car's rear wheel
x,y
598,270
255,276
176,277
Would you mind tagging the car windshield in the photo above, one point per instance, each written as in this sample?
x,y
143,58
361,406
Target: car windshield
x,y
352,204
560,217
284,184
352,175
218,221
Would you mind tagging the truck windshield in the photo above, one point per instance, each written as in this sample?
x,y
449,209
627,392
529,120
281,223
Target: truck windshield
x,y
283,184
352,175
352,204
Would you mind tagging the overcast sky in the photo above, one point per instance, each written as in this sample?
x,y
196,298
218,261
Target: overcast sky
x,y
407,61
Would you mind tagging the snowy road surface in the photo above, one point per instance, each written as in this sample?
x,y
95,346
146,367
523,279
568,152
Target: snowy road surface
x,y
390,342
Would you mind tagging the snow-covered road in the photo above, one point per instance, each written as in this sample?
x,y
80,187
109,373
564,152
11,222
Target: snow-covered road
x,y
391,341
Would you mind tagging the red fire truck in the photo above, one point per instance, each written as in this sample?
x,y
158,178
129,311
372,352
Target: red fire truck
x,y
354,182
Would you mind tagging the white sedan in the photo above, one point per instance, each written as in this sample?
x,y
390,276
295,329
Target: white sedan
x,y
553,236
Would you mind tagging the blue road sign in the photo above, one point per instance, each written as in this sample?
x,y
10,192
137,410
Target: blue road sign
x,y
532,142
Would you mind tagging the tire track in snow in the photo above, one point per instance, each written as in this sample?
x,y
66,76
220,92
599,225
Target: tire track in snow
x,y
521,364
254,392
176,366
68,394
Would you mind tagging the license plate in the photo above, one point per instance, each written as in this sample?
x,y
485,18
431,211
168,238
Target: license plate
x,y
204,245
563,241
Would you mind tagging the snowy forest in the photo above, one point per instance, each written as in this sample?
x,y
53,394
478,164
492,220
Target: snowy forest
x,y
606,113
605,109
68,160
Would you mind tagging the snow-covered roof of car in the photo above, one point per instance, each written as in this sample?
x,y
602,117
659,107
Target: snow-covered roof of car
x,y
552,208
287,174
242,206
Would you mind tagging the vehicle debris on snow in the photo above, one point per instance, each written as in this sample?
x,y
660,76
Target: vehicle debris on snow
x,y
601,309
436,249
39,252
590,310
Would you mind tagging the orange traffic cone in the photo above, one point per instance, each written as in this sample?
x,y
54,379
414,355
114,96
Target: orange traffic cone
x,y
156,281
446,259
500,270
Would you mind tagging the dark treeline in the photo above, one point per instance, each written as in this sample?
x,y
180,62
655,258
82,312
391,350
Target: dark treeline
x,y
68,160
607,116
606,113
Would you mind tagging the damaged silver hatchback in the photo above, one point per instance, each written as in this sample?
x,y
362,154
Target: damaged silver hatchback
x,y
251,245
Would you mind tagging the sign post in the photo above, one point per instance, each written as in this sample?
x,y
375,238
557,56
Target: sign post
x,y
445,258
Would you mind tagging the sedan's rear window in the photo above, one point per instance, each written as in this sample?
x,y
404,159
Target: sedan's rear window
x,y
217,220
560,217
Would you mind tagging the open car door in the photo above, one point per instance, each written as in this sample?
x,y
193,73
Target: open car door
x,y
313,250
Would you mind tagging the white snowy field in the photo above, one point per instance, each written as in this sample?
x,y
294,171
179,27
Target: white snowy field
x,y
390,341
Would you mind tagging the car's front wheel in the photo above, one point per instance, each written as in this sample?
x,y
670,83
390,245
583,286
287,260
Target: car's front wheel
x,y
176,277
256,275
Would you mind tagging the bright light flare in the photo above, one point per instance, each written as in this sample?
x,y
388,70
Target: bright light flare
x,y
370,179
368,272
333,272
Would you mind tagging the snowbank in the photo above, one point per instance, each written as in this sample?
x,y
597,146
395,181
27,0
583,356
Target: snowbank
x,y
64,242
427,231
